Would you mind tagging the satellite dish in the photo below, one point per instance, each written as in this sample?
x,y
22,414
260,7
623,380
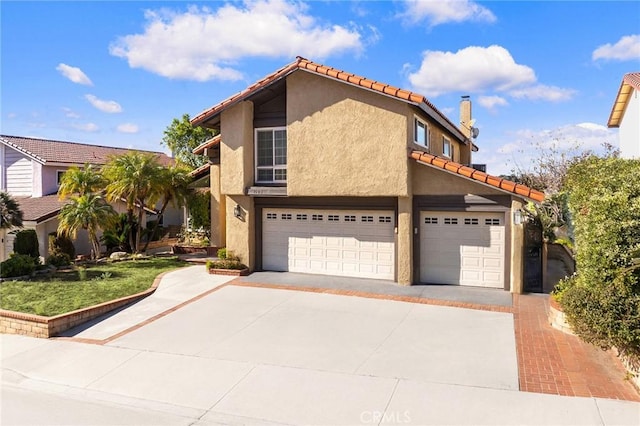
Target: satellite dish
x,y
475,132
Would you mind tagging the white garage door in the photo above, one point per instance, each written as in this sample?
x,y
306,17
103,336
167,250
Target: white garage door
x,y
462,248
352,243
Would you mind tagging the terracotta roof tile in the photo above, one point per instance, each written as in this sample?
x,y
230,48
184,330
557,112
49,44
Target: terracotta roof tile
x,y
200,171
305,64
207,144
46,150
470,173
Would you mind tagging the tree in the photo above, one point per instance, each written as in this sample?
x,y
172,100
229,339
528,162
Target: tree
x,y
10,213
173,188
89,212
181,137
135,178
80,181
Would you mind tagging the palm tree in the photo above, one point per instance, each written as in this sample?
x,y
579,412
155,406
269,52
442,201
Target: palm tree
x,y
10,213
134,178
173,186
80,181
89,212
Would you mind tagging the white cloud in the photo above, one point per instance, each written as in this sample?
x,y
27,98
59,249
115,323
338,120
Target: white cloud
x,y
491,102
543,92
85,127
201,44
69,113
471,69
74,74
437,12
477,69
526,145
625,49
110,107
127,128
12,115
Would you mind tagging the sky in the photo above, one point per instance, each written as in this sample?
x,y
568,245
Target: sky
x,y
540,74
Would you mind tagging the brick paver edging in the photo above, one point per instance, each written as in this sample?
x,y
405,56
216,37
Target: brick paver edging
x,y
410,299
44,327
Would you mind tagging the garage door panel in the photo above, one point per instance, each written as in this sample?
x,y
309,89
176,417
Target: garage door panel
x,y
462,248
350,243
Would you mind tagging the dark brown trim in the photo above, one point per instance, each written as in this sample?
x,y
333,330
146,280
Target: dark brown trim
x,y
325,203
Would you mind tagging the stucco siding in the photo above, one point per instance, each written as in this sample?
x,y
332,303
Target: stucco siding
x,y
19,173
50,179
630,128
430,181
344,141
236,151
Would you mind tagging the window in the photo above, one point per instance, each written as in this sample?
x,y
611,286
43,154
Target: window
x,y
286,216
272,216
450,221
492,221
316,217
446,147
384,219
59,174
431,220
334,218
420,132
471,221
271,155
366,218
349,218
301,217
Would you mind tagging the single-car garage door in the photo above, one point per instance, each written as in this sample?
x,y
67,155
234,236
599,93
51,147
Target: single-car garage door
x,y
352,243
462,248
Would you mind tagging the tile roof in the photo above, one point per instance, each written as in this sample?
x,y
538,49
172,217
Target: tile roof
x,y
336,74
39,209
45,150
630,82
200,171
207,144
470,173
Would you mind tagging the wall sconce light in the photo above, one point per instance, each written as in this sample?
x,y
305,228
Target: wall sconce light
x,y
517,217
237,211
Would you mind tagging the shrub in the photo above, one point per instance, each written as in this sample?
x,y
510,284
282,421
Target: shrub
x,y
17,265
226,264
61,244
602,301
26,242
59,259
222,253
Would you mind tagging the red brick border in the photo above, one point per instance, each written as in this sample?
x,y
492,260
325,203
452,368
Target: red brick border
x,y
553,362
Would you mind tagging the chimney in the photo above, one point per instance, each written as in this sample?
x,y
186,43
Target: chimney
x,y
465,115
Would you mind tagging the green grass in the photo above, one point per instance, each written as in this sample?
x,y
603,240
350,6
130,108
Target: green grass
x,y
64,292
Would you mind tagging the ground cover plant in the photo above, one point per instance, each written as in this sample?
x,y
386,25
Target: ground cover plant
x,y
66,291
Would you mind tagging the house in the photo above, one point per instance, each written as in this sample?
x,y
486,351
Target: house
x,y
625,115
30,170
320,171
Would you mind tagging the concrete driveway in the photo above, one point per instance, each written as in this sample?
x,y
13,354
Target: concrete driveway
x,y
245,355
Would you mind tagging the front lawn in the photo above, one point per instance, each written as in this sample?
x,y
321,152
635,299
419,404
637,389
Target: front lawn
x,y
64,292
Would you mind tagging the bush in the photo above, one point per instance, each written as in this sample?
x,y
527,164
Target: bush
x,y
602,301
222,253
59,259
226,264
60,244
17,265
26,242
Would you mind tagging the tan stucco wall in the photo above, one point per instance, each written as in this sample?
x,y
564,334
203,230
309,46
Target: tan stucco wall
x,y
241,233
218,209
344,141
517,252
404,259
236,151
427,180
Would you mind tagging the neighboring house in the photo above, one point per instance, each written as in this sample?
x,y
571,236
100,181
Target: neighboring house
x,y
625,115
319,171
30,170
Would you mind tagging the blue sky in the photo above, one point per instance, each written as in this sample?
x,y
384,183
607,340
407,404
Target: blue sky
x,y
117,73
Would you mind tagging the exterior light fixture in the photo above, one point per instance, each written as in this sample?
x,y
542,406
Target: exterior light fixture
x,y
517,217
237,211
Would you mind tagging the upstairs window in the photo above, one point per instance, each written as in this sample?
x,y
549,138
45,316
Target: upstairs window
x,y
271,155
59,174
420,132
446,147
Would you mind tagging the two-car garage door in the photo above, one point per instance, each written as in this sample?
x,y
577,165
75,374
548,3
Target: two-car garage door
x,y
462,248
354,243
